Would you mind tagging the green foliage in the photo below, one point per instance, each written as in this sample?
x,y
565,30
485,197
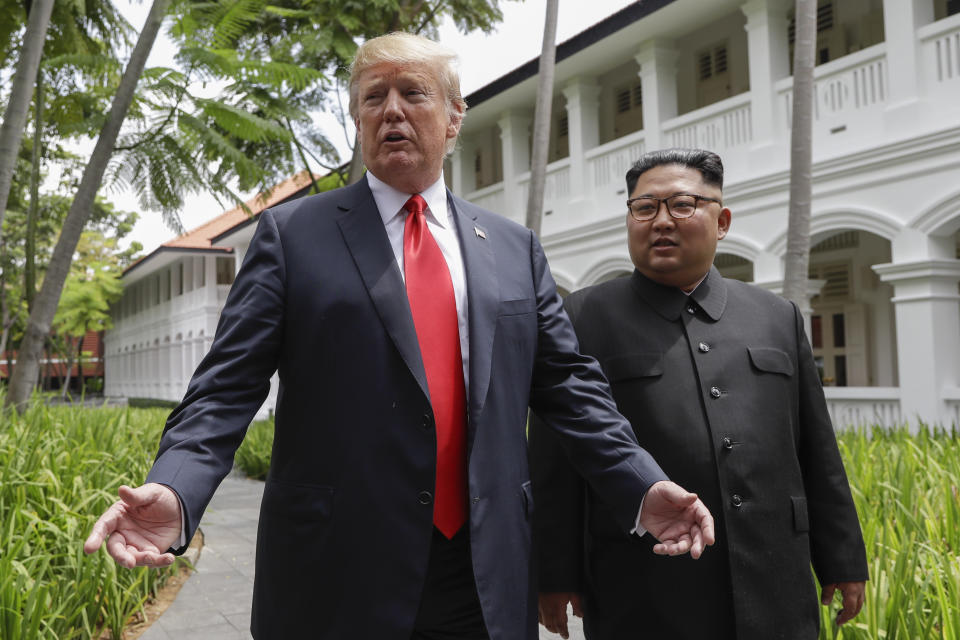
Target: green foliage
x,y
906,491
151,403
253,456
59,469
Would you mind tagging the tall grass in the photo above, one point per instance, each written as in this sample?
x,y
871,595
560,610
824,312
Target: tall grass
x,y
59,469
906,491
253,456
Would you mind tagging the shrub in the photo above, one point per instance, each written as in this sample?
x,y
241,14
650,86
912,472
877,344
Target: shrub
x,y
60,467
253,456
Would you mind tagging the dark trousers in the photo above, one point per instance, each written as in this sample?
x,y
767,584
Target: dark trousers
x,y
450,607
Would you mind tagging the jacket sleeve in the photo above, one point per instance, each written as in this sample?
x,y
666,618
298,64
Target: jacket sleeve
x,y
570,394
836,541
230,384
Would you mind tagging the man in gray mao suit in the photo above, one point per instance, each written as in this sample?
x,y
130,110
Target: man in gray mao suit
x,y
718,381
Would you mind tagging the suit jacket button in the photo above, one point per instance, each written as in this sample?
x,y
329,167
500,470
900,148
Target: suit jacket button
x,y
691,310
426,421
425,497
727,443
704,347
736,500
715,392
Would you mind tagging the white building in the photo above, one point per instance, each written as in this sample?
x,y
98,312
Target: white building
x,y
165,322
662,73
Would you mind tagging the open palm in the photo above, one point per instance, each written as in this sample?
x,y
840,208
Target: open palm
x,y
139,527
677,519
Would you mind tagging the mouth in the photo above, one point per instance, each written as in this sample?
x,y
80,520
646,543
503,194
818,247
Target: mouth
x,y
394,136
664,242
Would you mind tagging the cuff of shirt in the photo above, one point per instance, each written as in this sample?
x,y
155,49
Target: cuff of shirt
x,y
638,530
182,541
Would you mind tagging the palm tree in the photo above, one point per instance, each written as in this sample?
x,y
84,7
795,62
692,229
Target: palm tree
x,y
796,272
45,305
541,119
15,116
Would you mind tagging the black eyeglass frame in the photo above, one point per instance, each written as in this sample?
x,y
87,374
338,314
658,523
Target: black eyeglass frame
x,y
696,205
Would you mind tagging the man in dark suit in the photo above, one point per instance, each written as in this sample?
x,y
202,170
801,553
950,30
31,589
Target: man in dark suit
x,y
410,330
718,380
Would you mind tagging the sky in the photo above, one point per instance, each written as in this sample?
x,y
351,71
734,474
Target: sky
x,y
483,58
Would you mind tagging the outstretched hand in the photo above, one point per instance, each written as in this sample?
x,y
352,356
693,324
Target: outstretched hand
x,y
677,519
139,527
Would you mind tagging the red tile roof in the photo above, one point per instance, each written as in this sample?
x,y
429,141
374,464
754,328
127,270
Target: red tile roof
x,y
200,238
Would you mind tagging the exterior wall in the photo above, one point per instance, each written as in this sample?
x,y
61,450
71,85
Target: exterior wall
x,y
886,148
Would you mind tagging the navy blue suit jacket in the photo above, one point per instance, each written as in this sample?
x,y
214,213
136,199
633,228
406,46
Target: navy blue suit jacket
x,y
344,533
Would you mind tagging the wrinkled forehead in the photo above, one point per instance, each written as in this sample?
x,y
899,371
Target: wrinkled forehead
x,y
390,73
668,179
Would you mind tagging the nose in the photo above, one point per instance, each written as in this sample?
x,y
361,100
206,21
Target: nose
x,y
392,109
663,219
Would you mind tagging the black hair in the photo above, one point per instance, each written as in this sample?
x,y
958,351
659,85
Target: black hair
x,y
706,162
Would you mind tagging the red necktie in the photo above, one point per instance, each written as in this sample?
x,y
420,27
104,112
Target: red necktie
x,y
434,308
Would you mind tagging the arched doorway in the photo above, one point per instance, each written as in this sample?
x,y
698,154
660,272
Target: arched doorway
x,y
852,327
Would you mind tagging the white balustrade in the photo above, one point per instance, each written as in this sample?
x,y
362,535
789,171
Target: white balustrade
x,y
841,87
717,127
490,198
863,406
556,184
940,50
608,163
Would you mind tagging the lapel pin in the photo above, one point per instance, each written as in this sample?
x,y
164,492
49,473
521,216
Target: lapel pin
x,y
480,233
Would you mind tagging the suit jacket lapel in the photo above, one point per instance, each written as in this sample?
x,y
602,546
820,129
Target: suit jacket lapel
x,y
483,294
363,232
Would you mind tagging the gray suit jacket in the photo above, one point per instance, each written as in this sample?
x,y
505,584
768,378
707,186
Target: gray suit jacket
x,y
722,389
346,520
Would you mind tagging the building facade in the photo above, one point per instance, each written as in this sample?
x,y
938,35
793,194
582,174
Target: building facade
x,y
884,268
885,260
165,322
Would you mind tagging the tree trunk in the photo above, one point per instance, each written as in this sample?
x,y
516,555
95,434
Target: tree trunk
x,y
541,119
67,355
45,305
356,162
15,116
796,271
29,265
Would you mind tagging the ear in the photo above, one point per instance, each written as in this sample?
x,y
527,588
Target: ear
x,y
723,223
455,121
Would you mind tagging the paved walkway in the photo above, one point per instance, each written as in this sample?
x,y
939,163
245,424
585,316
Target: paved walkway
x,y
214,602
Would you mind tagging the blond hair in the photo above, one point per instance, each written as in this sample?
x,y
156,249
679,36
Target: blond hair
x,y
400,48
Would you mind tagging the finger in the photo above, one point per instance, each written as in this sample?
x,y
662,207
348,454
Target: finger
x,y
705,521
852,602
117,548
577,604
827,596
102,528
696,548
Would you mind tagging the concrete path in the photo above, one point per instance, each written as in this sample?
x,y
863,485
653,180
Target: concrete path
x,y
214,602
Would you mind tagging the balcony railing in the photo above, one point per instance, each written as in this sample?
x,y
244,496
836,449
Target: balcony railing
x,y
489,197
849,84
556,186
608,163
863,406
719,127
940,51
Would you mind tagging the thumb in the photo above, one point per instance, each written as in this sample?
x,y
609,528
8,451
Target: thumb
x,y
138,496
577,605
677,494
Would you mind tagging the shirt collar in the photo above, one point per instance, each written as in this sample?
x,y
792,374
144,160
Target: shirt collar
x,y
390,201
710,295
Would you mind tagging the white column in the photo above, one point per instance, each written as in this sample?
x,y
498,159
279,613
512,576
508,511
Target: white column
x,y
768,56
464,178
583,122
210,279
901,18
515,134
927,310
658,78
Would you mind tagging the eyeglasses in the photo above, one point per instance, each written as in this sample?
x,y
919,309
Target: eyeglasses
x,y
680,205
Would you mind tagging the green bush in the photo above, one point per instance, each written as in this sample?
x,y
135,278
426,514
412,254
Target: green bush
x,y
906,490
253,456
151,403
60,467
